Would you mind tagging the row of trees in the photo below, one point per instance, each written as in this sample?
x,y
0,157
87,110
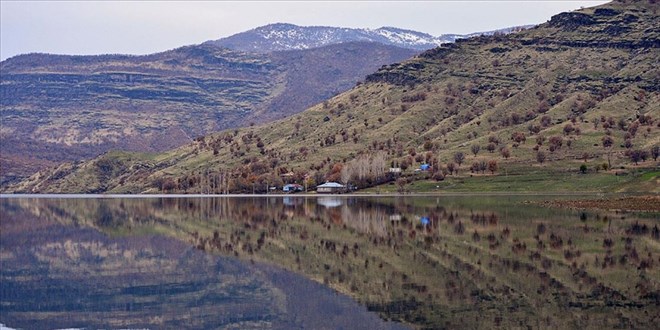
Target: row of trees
x,y
365,170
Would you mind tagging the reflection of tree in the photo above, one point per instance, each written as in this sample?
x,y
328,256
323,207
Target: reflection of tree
x,y
410,269
366,221
104,216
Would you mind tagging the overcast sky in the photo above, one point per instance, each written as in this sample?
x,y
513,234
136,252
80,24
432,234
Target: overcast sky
x,y
142,27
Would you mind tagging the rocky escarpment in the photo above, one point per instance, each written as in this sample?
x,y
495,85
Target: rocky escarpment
x,y
616,27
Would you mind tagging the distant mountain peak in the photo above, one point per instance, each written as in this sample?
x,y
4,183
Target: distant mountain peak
x,y
286,36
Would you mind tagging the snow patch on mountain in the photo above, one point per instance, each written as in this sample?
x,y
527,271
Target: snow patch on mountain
x,y
283,36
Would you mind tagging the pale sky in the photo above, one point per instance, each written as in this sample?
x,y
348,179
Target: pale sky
x,y
143,27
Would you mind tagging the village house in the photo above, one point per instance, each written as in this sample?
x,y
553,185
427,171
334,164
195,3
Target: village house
x,y
292,187
330,188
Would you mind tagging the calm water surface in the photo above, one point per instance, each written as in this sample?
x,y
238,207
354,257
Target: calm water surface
x,y
331,262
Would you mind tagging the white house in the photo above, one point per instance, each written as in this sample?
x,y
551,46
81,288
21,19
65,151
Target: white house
x,y
330,188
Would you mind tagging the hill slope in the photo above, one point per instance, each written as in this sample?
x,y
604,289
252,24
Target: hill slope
x,y
64,108
580,89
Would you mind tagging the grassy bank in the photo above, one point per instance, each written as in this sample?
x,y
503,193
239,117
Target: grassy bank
x,y
537,181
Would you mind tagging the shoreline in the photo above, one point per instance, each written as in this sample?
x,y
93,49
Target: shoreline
x,y
642,203
596,194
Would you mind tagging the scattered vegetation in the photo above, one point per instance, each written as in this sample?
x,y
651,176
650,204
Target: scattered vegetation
x,y
564,84
461,261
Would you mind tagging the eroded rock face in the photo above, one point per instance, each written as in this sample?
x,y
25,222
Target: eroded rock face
x,y
400,76
571,20
606,12
620,27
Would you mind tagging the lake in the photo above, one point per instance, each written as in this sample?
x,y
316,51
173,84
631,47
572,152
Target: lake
x,y
324,262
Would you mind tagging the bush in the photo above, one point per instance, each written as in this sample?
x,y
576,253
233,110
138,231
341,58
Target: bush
x,y
540,157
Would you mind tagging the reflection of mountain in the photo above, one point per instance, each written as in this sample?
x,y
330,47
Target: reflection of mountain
x,y
55,275
474,264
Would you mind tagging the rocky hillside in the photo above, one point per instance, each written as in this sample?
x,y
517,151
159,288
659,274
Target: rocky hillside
x,y
64,108
581,89
281,36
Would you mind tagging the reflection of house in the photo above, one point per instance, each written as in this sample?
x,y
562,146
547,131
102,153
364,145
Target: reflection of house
x,y
330,188
329,201
395,217
292,201
292,187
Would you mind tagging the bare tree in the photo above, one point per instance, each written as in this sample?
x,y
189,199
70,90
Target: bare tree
x,y
607,144
362,167
378,165
346,173
459,157
475,149
451,167
483,166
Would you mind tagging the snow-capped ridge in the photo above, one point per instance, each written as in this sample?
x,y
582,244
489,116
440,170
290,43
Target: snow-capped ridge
x,y
286,36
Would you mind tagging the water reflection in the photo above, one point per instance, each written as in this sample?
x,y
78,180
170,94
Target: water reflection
x,y
330,201
431,262
61,269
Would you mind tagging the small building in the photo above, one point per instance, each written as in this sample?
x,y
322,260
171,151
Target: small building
x,y
425,167
330,188
395,170
292,187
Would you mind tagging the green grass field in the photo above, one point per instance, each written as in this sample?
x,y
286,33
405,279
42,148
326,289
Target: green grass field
x,y
537,181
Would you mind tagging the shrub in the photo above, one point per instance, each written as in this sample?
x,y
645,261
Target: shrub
x,y
492,166
540,157
506,153
555,143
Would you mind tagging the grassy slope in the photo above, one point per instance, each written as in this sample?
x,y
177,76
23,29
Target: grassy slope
x,y
471,92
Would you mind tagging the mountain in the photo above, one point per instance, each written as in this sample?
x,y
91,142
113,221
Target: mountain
x,y
579,90
281,36
58,108
317,74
